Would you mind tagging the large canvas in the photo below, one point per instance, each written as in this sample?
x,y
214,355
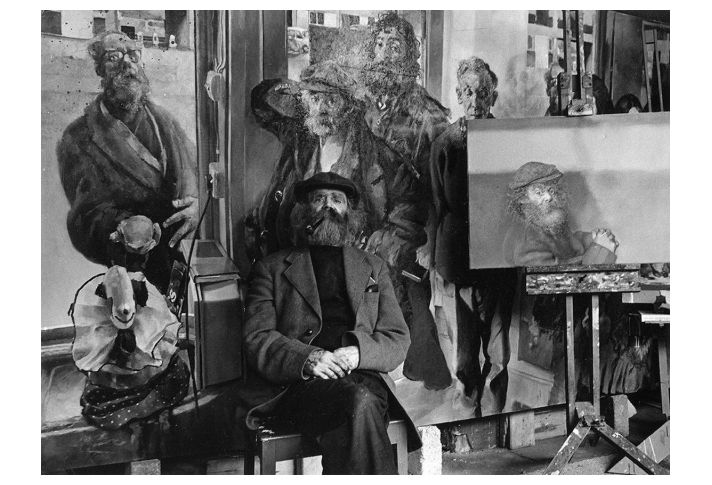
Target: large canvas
x,y
616,174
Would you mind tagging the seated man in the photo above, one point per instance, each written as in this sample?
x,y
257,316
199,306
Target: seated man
x,y
323,328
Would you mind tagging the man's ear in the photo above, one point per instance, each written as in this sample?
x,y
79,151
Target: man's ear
x,y
101,291
459,94
494,97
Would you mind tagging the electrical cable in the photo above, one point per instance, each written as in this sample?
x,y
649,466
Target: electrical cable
x,y
185,343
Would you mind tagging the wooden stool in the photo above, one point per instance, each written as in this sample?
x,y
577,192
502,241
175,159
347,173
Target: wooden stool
x,y
271,447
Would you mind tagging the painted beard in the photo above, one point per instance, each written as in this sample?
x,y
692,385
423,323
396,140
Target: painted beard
x,y
551,217
320,124
126,91
335,229
387,79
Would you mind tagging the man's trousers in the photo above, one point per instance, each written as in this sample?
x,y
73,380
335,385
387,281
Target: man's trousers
x,y
347,417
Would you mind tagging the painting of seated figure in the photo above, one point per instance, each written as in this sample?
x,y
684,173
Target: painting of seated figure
x,y
592,190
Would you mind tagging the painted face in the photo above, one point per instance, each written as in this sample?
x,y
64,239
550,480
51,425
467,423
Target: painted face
x,y
545,206
120,56
476,94
390,46
320,199
540,194
324,111
123,77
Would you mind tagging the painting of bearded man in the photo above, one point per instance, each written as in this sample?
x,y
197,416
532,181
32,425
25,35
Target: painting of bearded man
x,y
125,157
541,235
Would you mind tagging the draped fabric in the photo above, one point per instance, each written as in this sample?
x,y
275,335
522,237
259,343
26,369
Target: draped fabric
x,y
131,373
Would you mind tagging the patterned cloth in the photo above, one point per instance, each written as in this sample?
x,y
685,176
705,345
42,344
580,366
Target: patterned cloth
x,y
110,408
131,373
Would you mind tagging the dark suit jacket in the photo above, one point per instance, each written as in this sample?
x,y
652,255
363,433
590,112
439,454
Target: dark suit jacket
x,y
283,317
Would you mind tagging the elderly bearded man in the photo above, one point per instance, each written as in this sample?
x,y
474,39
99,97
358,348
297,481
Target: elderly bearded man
x,y
541,234
323,329
125,157
473,306
321,127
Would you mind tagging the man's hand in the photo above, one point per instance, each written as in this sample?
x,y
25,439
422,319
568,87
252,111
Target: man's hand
x,y
350,355
605,238
422,255
383,244
189,216
325,365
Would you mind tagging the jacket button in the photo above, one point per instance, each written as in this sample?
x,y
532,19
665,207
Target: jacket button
x,y
309,332
278,196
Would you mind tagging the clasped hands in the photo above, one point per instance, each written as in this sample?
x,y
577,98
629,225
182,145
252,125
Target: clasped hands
x,y
604,237
332,365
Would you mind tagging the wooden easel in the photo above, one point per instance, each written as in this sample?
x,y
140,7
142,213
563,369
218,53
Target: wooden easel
x,y
589,280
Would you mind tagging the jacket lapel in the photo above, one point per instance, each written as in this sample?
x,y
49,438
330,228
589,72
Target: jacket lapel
x,y
122,148
300,274
356,272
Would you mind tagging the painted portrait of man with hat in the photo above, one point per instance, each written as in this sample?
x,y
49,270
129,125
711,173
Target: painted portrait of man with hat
x,y
321,128
541,234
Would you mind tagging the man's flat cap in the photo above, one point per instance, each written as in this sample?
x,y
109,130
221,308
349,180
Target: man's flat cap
x,y
327,77
325,180
534,173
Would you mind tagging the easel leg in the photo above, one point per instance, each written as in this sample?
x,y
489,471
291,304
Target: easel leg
x,y
567,450
595,358
637,456
664,365
656,446
570,366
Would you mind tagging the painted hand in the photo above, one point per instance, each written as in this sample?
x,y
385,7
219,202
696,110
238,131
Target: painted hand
x,y
605,238
188,214
325,365
383,244
422,255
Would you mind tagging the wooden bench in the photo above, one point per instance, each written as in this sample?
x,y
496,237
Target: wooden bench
x,y
271,446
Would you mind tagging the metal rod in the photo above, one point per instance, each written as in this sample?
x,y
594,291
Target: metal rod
x,y
645,69
580,56
656,63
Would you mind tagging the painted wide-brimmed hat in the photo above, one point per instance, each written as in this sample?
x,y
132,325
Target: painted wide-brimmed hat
x,y
326,180
534,173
